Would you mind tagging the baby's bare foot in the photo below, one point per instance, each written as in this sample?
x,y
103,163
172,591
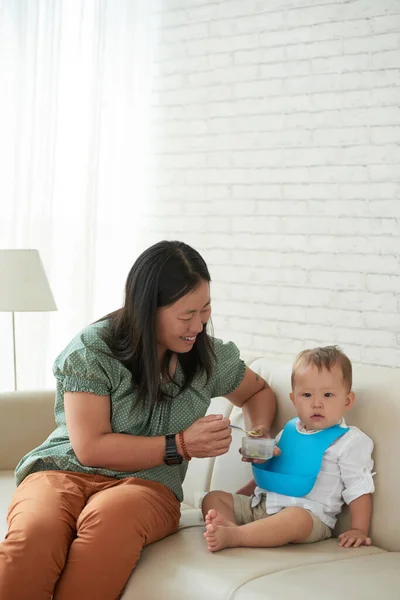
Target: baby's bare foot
x,y
213,517
219,537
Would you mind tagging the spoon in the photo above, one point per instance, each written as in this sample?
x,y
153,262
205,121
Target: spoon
x,y
252,433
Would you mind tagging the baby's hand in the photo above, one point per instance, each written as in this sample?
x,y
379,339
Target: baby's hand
x,y
259,461
261,432
355,538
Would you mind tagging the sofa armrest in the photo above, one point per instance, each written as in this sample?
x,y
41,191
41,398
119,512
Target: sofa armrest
x,y
26,419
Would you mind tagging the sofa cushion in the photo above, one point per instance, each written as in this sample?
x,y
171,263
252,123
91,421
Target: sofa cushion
x,y
191,571
358,578
26,419
7,487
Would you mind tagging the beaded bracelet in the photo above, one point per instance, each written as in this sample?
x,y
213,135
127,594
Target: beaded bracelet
x,y
186,455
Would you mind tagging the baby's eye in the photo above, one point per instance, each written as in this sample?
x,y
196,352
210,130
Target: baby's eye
x,y
307,394
328,394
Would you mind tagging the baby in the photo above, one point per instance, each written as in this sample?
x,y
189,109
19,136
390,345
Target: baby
x,y
276,513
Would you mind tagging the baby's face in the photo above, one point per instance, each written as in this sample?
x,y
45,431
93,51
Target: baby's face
x,y
320,397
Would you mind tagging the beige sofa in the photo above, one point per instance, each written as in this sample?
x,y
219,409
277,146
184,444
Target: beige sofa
x,y
181,567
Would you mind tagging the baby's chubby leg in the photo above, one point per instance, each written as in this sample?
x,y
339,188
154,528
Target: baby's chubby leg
x,y
217,509
292,524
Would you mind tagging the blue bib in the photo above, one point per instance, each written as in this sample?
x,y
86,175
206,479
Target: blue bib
x,y
295,471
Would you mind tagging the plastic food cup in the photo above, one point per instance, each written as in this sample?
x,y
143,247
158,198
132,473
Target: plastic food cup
x,y
261,448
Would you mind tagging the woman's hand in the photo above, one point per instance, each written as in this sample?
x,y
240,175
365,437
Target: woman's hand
x,y
208,436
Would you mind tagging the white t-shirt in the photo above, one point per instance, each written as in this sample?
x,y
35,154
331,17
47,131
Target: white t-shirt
x,y
346,474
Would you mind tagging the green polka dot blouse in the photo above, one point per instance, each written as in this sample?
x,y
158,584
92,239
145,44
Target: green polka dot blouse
x,y
86,366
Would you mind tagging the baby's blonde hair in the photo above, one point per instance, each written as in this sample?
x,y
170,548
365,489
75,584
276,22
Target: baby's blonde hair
x,y
324,358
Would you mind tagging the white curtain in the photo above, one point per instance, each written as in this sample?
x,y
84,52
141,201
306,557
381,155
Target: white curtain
x,y
74,97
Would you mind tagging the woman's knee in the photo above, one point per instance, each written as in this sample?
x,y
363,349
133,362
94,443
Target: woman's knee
x,y
40,529
37,543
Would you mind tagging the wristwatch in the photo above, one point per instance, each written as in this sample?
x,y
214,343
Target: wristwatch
x,y
172,456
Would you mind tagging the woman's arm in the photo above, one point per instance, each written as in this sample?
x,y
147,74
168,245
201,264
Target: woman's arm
x,y
256,399
96,445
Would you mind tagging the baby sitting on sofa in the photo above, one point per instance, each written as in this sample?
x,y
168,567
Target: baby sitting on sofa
x,y
323,463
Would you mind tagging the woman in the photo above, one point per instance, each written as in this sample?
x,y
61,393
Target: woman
x,y
132,392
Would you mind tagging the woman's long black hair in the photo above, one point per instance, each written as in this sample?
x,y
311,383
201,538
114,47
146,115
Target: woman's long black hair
x,y
161,275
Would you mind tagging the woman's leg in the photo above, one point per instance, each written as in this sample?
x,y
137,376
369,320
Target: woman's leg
x,y
112,529
41,521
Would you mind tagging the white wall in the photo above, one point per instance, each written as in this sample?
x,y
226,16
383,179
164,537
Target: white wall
x,y
276,128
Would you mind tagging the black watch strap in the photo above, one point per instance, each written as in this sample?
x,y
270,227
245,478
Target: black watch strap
x,y
172,456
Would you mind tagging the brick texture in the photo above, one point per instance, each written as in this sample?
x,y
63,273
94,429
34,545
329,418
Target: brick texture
x,y
276,153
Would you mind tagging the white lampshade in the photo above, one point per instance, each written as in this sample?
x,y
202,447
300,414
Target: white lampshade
x,y
23,282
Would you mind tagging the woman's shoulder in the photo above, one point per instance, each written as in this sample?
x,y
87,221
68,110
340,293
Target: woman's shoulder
x,y
87,364
95,335
228,368
90,342
224,351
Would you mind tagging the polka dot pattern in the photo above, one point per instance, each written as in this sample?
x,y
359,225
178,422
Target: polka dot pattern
x,y
86,365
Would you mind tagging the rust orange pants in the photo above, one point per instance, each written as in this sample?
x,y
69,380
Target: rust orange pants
x,y
74,536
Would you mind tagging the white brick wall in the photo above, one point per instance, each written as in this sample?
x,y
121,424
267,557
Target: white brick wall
x,y
276,136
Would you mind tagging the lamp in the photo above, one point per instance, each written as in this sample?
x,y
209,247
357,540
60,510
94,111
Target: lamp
x,y
23,287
